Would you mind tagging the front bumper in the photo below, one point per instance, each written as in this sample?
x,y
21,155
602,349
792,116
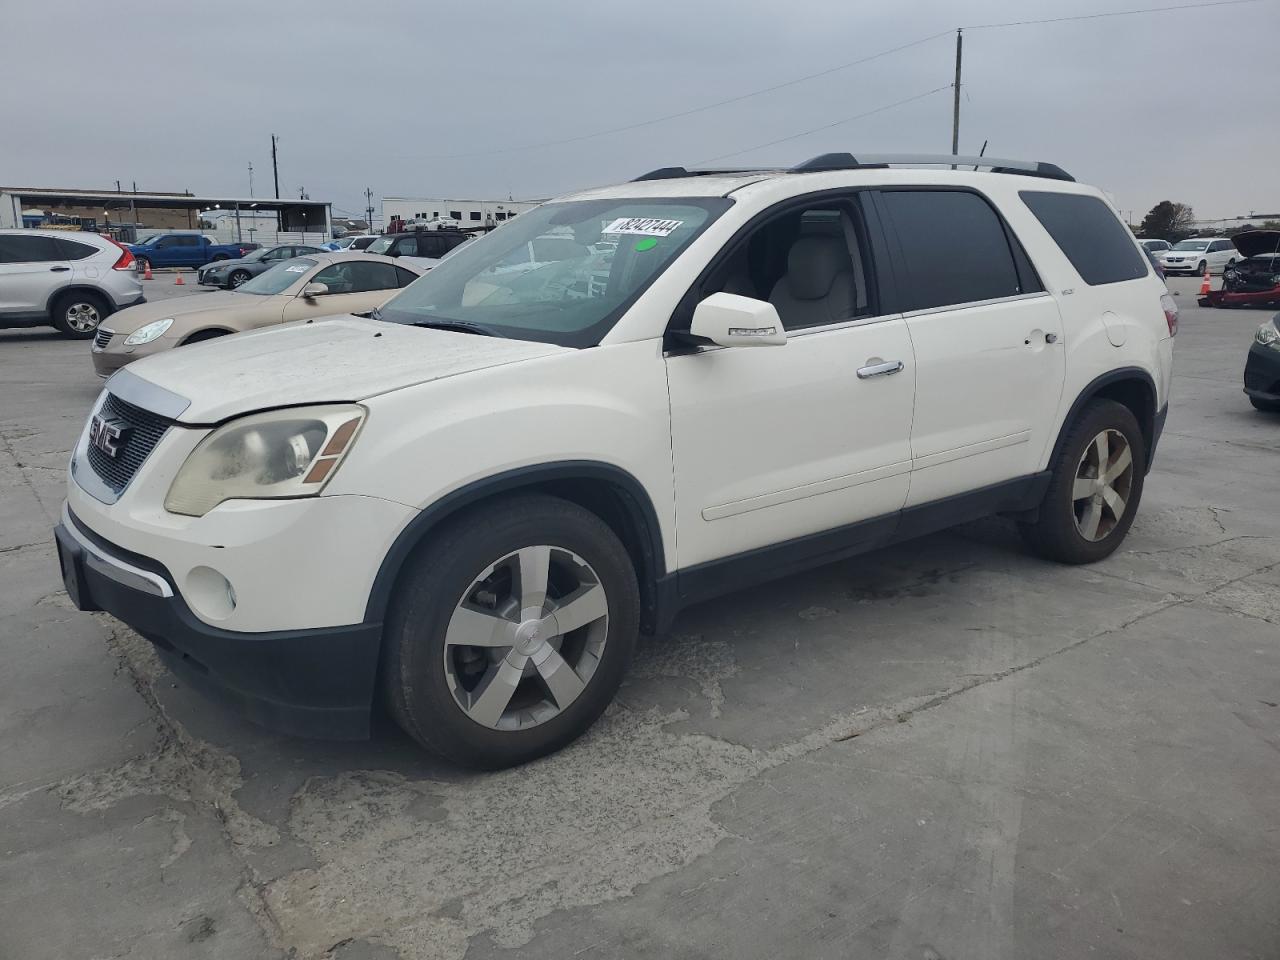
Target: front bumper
x,y
1262,373
314,683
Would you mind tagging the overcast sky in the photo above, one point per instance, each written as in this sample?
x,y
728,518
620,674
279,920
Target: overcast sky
x,y
379,94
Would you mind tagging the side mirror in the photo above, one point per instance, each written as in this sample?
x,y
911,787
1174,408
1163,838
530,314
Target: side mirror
x,y
729,320
313,290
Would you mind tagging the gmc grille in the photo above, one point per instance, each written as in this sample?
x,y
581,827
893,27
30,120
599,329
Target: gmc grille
x,y
144,431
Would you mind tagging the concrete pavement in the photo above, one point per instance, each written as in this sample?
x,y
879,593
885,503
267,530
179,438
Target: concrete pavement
x,y
944,750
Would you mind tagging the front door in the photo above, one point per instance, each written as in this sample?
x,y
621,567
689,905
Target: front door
x,y
988,344
774,443
355,286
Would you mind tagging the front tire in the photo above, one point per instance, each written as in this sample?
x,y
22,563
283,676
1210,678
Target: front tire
x,y
1201,268
510,631
236,278
1095,489
77,315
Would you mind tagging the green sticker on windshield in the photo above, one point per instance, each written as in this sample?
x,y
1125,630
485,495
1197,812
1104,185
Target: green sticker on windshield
x,y
648,243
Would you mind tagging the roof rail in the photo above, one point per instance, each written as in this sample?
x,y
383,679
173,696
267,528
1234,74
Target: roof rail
x,y
847,161
674,173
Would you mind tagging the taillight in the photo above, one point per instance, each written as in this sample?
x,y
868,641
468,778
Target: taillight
x,y
1170,307
126,257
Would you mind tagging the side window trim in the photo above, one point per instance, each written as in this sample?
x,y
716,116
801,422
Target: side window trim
x,y
881,295
1029,282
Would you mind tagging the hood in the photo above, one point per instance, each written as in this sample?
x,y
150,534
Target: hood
x,y
334,360
1183,254
1257,242
131,318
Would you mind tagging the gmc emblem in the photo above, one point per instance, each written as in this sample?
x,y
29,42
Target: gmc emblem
x,y
107,435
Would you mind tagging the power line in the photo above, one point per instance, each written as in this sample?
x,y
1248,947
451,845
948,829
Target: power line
x,y
1115,13
812,76
827,126
693,110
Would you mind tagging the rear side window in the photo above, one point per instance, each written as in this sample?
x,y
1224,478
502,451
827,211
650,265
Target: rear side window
x,y
75,250
955,247
19,249
1092,237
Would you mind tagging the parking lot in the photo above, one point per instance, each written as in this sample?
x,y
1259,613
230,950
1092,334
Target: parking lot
x,y
948,749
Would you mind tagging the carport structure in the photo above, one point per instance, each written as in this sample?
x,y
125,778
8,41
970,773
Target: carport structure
x,y
114,210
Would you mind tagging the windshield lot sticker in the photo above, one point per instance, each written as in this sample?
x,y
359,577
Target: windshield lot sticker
x,y
297,268
643,226
648,243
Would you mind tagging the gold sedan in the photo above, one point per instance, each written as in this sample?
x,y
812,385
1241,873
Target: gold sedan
x,y
317,285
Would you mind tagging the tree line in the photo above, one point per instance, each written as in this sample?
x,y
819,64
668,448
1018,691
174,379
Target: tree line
x,y
1176,221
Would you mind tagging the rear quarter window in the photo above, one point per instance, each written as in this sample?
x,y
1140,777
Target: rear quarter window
x,y
1085,229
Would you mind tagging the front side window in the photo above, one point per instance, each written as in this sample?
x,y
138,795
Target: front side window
x,y
812,263
278,279
407,247
563,274
1098,245
954,247
356,276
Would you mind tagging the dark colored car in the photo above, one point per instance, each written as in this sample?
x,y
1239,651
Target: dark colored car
x,y
1262,368
1255,280
429,245
231,273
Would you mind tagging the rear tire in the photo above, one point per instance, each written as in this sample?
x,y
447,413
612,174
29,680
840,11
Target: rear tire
x,y
525,689
1096,487
1266,406
143,264
77,315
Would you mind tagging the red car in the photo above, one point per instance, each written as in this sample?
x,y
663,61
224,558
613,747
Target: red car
x,y
1253,280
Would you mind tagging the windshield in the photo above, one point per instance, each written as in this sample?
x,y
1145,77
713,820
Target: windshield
x,y
278,279
1191,244
381,245
255,255
561,273
150,238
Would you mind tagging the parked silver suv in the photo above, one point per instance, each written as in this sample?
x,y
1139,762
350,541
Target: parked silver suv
x,y
68,280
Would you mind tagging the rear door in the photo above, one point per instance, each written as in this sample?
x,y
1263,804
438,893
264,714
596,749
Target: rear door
x,y
987,337
32,269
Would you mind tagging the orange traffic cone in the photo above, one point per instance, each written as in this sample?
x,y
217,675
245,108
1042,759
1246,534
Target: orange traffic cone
x,y
1204,284
182,283
146,274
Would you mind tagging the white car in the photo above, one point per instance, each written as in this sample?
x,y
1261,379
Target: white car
x,y
1198,254
470,503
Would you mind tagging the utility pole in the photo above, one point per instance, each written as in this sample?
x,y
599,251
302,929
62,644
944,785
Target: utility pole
x,y
955,109
250,179
368,199
275,170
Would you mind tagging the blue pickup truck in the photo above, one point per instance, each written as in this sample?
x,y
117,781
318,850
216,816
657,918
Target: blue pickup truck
x,y
185,250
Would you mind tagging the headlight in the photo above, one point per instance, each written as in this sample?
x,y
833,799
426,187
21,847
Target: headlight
x,y
265,456
1268,335
149,332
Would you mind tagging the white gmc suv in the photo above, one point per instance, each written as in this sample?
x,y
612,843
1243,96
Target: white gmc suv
x,y
468,504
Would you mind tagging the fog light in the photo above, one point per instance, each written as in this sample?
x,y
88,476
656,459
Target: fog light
x,y
210,594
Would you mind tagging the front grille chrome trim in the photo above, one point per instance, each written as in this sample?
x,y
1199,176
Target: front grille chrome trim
x,y
109,566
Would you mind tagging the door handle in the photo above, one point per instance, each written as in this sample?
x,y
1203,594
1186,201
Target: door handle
x,y
59,269
880,370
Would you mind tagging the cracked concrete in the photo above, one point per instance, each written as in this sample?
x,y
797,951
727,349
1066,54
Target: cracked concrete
x,y
943,750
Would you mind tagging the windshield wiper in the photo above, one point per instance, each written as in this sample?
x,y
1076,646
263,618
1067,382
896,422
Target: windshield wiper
x,y
461,326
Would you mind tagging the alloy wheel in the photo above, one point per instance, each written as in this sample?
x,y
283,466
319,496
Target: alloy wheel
x,y
1104,481
526,637
83,317
238,278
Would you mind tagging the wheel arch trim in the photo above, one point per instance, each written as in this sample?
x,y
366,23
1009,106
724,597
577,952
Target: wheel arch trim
x,y
1146,422
74,288
635,501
